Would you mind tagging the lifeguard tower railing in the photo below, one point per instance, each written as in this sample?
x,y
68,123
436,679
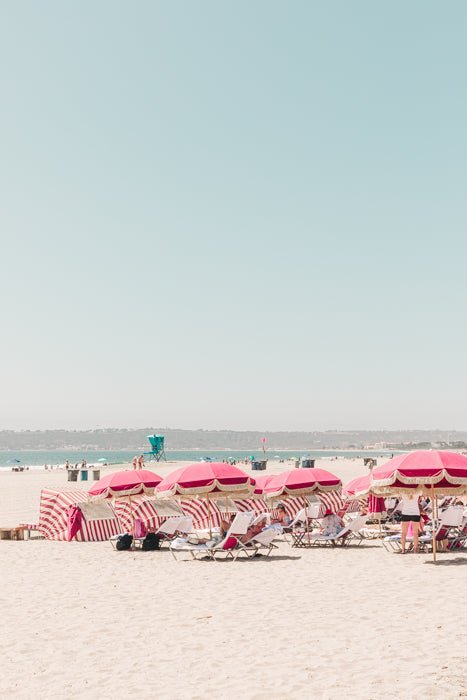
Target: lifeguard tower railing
x,y
157,448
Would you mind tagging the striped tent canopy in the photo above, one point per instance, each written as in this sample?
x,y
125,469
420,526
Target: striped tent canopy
x,y
204,513
257,505
329,501
151,512
99,521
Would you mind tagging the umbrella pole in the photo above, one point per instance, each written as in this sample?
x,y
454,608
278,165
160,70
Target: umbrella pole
x,y
209,516
433,520
306,521
133,521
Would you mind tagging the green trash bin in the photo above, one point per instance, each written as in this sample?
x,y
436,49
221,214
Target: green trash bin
x,y
84,474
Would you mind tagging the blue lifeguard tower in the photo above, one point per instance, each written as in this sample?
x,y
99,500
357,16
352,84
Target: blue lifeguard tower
x,y
157,448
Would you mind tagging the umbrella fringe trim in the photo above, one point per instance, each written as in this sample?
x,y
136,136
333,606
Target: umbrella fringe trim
x,y
210,489
285,491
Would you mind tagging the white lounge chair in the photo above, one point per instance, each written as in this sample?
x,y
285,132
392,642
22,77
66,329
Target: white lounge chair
x,y
349,533
263,540
174,527
211,550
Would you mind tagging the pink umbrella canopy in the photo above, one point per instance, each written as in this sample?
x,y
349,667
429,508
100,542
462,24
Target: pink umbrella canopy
x,y
300,482
357,488
423,470
129,482
261,483
360,488
207,479
376,505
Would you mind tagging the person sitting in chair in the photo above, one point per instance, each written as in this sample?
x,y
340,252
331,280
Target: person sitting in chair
x,y
254,530
282,518
331,524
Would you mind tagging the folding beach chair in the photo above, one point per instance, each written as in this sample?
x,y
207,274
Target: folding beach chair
x,y
451,527
263,540
211,550
349,533
172,527
262,516
297,529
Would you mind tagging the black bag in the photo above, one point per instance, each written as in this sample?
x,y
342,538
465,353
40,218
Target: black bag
x,y
124,542
151,542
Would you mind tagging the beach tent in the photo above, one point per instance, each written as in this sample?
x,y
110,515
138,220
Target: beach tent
x,y
151,512
67,514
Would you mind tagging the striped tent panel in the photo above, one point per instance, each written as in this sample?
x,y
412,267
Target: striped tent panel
x,y
139,508
332,500
257,505
98,530
355,505
53,511
205,514
53,517
294,504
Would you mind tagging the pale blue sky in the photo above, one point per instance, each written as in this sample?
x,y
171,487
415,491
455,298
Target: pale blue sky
x,y
233,214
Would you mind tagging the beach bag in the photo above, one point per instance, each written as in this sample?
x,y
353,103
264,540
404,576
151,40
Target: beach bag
x,y
151,542
124,542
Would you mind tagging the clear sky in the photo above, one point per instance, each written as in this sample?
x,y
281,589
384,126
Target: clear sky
x,y
239,215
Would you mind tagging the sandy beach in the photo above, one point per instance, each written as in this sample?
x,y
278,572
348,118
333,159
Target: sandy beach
x,y
80,620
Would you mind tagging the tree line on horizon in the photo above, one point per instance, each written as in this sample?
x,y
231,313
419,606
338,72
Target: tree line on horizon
x,y
180,439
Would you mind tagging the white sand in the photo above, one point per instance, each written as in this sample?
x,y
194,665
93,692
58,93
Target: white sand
x,y
80,620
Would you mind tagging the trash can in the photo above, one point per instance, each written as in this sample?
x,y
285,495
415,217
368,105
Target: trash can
x,y
308,463
73,475
297,463
96,474
84,474
259,464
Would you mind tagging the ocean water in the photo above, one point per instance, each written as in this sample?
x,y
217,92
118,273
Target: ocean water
x,y
40,458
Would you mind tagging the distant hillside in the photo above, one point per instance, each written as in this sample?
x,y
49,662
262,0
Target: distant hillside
x,y
127,439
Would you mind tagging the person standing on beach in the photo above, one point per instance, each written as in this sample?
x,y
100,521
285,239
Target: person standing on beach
x,y
410,513
140,461
134,462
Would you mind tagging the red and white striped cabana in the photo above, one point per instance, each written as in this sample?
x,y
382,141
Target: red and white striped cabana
x,y
98,522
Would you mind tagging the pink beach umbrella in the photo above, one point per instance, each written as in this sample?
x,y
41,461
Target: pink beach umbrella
x,y
125,484
357,488
426,471
431,472
301,482
376,506
360,488
129,482
261,483
213,479
207,480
